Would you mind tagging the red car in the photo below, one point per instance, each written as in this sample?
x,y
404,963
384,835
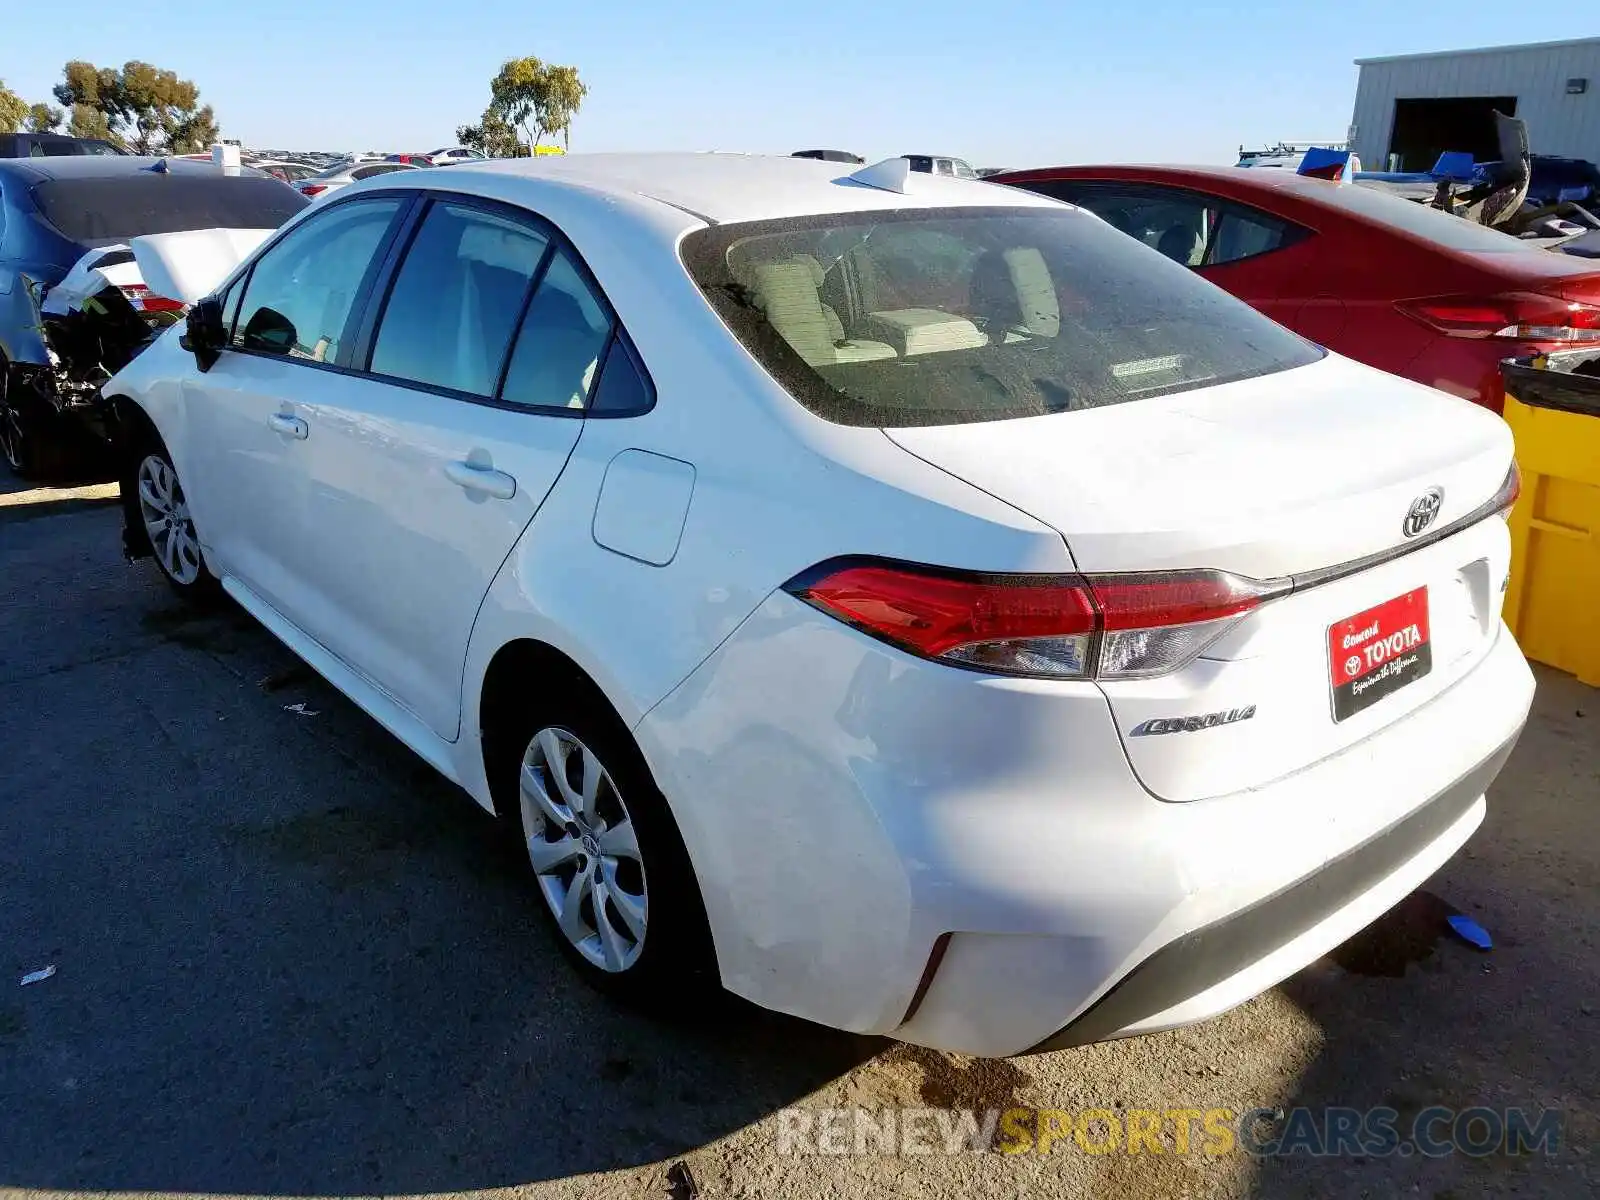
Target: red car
x,y
1371,276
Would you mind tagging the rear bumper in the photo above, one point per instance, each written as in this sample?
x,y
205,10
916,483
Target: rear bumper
x,y
850,809
1202,962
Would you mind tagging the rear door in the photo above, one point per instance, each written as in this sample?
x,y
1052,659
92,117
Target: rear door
x,y
426,468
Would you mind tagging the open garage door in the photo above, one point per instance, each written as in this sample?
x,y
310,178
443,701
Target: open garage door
x,y
1424,129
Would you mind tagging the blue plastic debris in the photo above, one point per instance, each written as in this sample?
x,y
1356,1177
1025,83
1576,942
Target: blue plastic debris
x,y
1455,165
1471,932
1322,163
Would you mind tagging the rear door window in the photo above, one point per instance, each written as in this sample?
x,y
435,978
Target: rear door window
x,y
299,296
456,299
960,315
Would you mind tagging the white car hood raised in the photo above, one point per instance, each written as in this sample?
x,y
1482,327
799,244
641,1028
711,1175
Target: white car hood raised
x,y
1286,473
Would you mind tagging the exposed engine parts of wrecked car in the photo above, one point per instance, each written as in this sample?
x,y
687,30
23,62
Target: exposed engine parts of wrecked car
x,y
92,324
81,294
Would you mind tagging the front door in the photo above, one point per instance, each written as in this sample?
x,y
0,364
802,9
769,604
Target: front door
x,y
246,474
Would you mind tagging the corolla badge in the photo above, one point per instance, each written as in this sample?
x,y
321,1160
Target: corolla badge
x,y
1160,725
1423,511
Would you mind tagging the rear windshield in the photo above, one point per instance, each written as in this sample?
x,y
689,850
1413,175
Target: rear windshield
x,y
1416,220
949,316
116,208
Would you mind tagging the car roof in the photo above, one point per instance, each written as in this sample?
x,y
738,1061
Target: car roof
x,y
721,187
104,166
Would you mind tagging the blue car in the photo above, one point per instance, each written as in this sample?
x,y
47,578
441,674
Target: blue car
x,y
55,211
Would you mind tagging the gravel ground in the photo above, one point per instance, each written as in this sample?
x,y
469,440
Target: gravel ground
x,y
291,961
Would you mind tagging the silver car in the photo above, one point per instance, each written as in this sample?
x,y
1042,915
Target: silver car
x,y
343,175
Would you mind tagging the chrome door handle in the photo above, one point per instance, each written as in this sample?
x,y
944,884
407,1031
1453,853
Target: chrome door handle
x,y
482,479
289,426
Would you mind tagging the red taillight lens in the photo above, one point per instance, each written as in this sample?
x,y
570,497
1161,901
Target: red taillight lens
x,y
1061,626
1025,624
313,189
1518,316
1181,598
145,301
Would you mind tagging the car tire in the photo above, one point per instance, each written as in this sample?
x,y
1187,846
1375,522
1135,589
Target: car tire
x,y
15,443
614,880
157,509
32,445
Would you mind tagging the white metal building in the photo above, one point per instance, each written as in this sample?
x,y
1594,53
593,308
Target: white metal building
x,y
1411,107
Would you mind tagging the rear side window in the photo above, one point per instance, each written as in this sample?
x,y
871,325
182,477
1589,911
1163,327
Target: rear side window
x,y
116,208
624,389
456,299
298,298
1042,310
1242,234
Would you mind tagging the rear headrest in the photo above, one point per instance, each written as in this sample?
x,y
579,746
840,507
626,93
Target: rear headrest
x,y
787,293
812,265
1036,291
1013,288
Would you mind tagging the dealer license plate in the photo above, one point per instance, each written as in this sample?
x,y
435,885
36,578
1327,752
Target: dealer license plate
x,y
1377,652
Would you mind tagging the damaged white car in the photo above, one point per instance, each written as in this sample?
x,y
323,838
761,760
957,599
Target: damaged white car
x,y
75,302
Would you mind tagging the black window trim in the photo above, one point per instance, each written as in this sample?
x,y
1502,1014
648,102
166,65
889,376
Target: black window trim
x,y
378,302
372,298
1295,232
340,363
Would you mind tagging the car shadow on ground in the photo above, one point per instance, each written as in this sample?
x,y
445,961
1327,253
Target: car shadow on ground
x,y
292,960
1412,1017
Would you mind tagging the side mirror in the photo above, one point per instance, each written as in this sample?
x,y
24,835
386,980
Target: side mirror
x,y
205,335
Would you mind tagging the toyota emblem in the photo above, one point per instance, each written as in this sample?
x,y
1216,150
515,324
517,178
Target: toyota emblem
x,y
1423,511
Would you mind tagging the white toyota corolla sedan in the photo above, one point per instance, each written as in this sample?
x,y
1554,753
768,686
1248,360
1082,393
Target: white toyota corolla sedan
x,y
906,602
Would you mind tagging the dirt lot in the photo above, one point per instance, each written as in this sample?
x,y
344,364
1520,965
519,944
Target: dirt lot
x,y
290,961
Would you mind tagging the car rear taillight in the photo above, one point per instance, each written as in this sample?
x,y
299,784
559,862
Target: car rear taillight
x,y
1056,626
313,189
1518,316
146,301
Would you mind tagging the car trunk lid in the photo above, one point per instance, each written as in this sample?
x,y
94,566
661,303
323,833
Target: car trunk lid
x,y
1268,477
1333,480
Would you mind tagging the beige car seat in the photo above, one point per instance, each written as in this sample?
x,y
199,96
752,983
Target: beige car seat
x,y
1012,291
787,291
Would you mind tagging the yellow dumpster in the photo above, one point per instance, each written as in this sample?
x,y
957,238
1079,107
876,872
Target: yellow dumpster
x,y
1553,602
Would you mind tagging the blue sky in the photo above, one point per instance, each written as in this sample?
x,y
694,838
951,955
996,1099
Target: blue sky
x,y
1011,83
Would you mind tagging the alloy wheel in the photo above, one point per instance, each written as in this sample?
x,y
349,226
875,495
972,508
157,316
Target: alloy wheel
x,y
165,513
585,854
